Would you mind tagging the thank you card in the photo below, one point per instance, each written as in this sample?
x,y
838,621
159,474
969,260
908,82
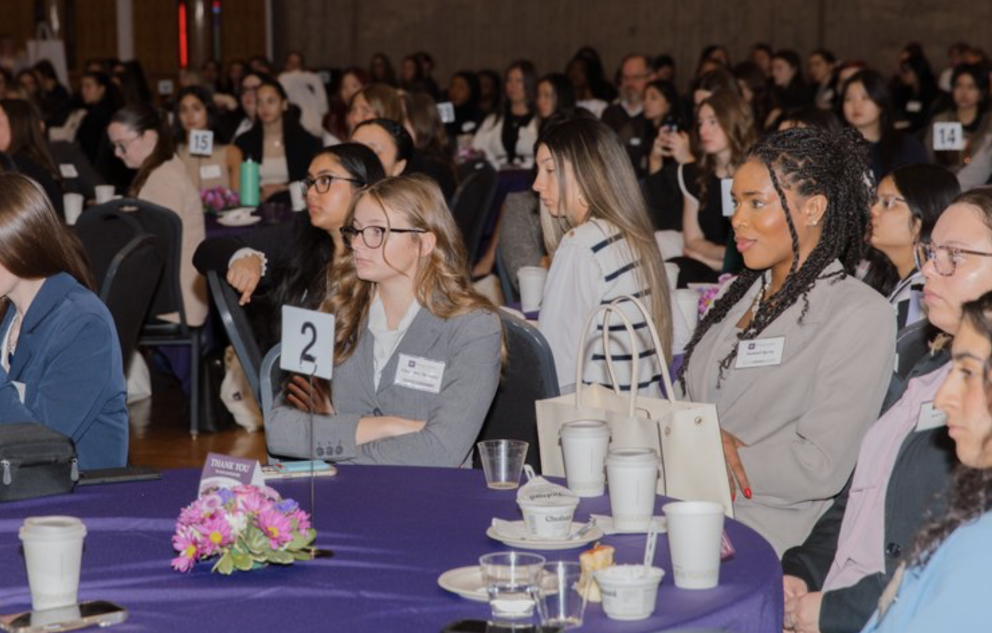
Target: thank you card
x,y
224,471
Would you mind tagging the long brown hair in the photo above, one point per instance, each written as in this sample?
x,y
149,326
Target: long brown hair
x,y
384,100
141,118
26,136
442,285
34,244
605,178
736,119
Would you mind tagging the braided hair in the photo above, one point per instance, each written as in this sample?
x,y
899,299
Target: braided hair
x,y
809,161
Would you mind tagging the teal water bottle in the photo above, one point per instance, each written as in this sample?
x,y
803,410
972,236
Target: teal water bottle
x,y
249,184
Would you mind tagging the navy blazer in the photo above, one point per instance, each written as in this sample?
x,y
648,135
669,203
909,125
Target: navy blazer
x,y
469,346
68,357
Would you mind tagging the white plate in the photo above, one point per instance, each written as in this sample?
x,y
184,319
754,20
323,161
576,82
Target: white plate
x,y
546,544
247,221
467,582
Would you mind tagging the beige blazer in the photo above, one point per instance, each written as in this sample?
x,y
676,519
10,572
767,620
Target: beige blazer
x,y
803,419
169,186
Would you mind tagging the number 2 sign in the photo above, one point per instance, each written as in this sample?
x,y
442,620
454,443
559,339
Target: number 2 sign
x,y
307,342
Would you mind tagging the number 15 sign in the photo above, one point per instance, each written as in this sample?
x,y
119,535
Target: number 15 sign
x,y
307,342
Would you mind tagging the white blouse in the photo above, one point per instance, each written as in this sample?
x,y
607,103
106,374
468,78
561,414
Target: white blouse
x,y
387,340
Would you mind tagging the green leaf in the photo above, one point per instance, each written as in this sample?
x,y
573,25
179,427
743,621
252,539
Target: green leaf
x,y
242,560
302,555
302,539
256,540
225,565
281,558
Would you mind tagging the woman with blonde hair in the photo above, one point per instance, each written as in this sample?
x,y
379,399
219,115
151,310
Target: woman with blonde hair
x,y
603,248
374,101
417,352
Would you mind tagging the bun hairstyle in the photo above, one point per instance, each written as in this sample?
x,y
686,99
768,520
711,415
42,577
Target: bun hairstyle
x,y
807,161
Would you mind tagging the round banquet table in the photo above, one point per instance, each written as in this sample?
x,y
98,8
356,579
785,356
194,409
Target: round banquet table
x,y
393,531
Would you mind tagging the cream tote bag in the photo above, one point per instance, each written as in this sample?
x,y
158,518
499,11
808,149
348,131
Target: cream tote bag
x,y
685,434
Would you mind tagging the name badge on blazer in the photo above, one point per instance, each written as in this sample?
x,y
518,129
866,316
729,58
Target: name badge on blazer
x,y
418,373
764,352
930,417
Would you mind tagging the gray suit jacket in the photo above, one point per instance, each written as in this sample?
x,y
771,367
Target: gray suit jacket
x,y
802,420
469,346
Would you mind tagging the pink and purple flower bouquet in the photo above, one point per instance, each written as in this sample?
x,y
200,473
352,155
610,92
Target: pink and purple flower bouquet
x,y
245,528
218,199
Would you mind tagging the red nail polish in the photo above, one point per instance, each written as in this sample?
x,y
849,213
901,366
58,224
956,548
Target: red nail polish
x,y
747,493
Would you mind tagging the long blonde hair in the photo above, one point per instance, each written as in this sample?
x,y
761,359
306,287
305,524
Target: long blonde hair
x,y
442,283
605,179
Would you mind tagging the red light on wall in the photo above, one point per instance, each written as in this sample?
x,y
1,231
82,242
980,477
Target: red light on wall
x,y
183,42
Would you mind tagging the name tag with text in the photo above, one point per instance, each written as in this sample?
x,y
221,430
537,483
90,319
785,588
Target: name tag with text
x,y
418,373
765,352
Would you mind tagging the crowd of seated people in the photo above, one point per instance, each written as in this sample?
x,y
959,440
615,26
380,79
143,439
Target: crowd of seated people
x,y
840,208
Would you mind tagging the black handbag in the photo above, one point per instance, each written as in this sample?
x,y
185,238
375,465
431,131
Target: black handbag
x,y
35,461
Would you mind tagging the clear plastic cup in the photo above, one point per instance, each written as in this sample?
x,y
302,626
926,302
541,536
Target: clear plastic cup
x,y
502,462
512,580
559,601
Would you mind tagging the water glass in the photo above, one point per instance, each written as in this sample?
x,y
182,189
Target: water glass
x,y
559,602
502,461
512,584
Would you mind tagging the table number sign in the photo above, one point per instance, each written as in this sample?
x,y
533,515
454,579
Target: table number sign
x,y
307,342
201,142
446,110
224,471
948,136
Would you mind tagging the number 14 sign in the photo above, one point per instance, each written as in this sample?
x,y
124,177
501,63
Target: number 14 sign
x,y
307,342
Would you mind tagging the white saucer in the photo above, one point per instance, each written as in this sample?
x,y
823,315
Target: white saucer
x,y
247,221
467,582
546,544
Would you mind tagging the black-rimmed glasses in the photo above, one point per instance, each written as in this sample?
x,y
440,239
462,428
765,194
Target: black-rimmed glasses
x,y
945,258
373,236
323,182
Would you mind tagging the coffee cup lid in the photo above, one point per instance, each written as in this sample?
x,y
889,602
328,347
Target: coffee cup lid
x,y
586,428
52,528
632,456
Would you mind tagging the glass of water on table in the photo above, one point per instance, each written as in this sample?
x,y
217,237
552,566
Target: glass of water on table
x,y
512,581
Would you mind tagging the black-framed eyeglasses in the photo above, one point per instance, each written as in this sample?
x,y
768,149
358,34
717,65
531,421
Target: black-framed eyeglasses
x,y
945,258
323,182
373,236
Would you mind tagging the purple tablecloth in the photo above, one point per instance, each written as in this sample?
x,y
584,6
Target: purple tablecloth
x,y
394,530
270,212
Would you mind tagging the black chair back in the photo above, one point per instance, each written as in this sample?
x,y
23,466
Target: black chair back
x,y
238,329
529,376
104,231
472,203
129,286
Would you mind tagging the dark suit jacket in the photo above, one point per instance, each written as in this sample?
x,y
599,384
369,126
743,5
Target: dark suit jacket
x,y
921,471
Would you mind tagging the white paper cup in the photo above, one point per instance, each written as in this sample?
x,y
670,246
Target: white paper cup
x,y
629,591
672,272
73,204
104,193
584,444
531,280
296,195
688,302
551,522
694,532
53,551
633,475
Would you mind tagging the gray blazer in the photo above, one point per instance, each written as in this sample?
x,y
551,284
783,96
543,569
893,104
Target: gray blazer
x,y
469,345
802,420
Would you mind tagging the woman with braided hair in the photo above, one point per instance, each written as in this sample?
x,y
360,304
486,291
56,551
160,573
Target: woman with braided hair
x,y
796,355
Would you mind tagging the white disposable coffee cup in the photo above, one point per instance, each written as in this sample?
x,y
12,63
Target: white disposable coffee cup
x,y
296,195
629,591
688,303
694,532
53,551
633,475
73,204
672,272
531,280
104,193
584,444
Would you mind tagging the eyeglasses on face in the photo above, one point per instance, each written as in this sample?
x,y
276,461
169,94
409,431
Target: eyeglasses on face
x,y
120,147
373,236
945,258
889,202
323,182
